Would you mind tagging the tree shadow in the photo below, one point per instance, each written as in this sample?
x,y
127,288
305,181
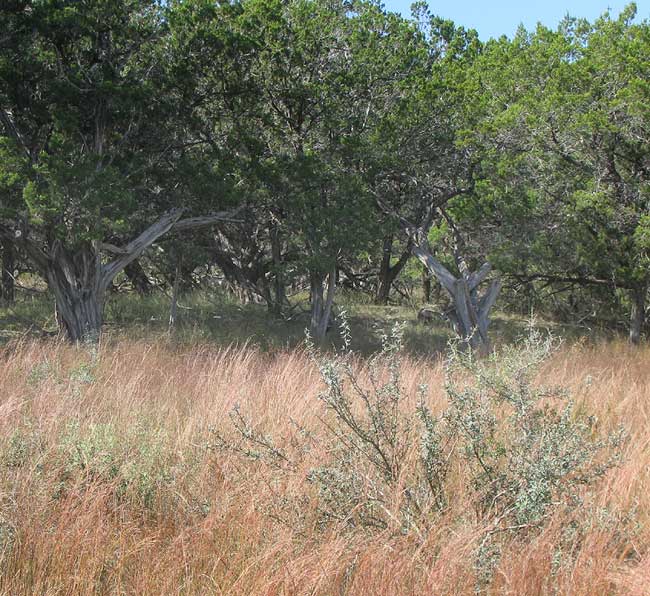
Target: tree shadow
x,y
205,317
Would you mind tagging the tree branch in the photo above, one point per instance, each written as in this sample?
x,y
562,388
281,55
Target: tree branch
x,y
206,220
137,246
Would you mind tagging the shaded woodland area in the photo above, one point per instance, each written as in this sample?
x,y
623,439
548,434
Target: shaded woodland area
x,y
287,149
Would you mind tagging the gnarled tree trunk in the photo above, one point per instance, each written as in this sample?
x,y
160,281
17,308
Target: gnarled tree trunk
x,y
471,311
471,316
321,302
79,279
637,314
75,279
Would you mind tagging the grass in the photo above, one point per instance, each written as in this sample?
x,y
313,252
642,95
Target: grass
x,y
109,484
217,318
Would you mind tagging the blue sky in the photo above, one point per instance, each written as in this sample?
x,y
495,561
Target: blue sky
x,y
493,18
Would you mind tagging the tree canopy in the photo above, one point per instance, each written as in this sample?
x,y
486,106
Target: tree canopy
x,y
325,142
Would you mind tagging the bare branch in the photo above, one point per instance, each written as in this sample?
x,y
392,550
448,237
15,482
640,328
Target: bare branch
x,y
475,279
206,220
137,246
116,250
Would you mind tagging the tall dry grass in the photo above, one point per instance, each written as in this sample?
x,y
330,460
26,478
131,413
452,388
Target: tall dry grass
x,y
108,484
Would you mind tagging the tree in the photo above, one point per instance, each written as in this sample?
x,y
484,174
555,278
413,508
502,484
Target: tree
x,y
569,146
311,69
83,124
419,164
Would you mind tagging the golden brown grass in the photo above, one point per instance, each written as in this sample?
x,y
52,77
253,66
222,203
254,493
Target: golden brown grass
x,y
107,485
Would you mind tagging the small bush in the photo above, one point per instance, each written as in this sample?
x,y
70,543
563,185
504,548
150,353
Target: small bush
x,y
137,462
528,449
522,452
371,434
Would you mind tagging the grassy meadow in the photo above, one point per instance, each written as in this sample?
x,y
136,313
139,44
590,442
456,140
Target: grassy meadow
x,y
115,478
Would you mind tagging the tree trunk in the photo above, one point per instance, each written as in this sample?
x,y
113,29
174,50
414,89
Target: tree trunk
x,y
321,304
471,315
8,268
78,278
75,280
426,285
80,314
637,314
388,274
138,278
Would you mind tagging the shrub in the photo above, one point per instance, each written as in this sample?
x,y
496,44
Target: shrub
x,y
528,449
137,462
521,451
370,434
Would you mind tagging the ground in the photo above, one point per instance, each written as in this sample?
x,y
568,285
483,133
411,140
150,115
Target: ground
x,y
116,480
219,319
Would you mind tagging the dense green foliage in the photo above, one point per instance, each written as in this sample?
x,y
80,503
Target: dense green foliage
x,y
340,136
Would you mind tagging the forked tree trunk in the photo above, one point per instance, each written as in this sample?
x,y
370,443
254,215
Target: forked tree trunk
x,y
471,315
637,314
79,279
321,303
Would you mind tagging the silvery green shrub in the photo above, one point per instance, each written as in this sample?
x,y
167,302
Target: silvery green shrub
x,y
523,450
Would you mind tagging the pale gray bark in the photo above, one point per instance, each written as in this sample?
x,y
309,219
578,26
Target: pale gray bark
x,y
471,316
79,279
637,314
321,303
471,310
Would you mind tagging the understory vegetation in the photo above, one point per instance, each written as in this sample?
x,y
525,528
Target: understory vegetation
x,y
142,466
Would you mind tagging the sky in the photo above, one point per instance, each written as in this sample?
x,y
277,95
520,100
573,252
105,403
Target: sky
x,y
493,18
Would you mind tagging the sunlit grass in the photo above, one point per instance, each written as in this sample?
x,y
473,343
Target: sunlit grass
x,y
109,484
